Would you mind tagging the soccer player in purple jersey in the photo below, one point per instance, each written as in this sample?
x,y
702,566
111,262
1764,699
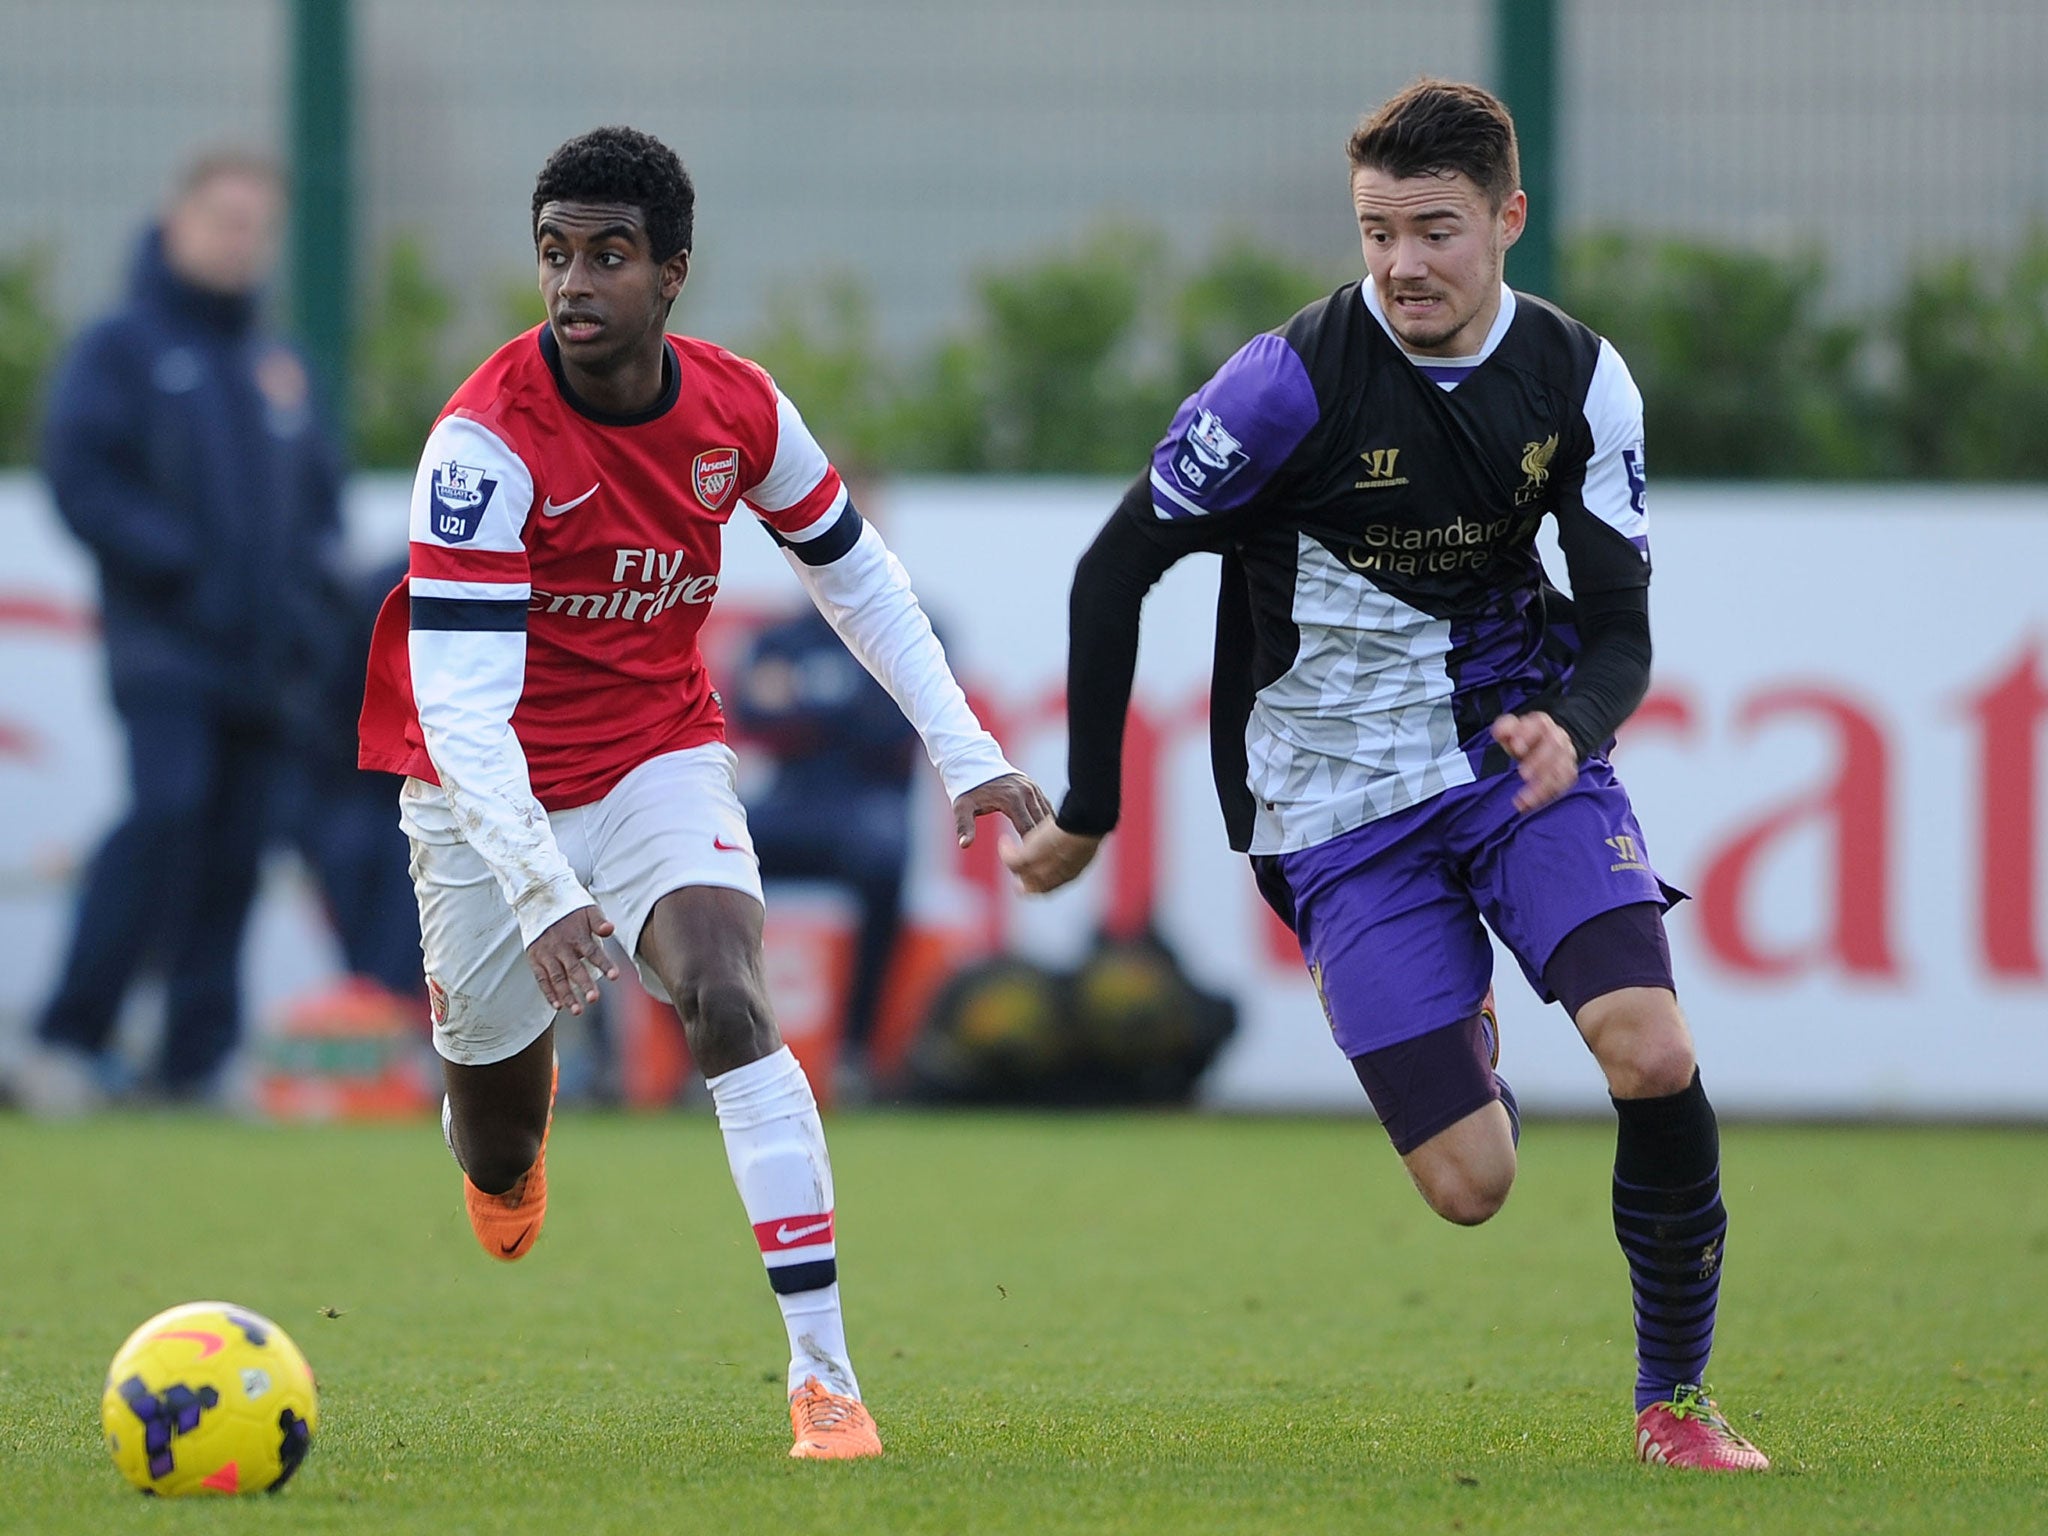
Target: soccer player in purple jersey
x,y
1411,725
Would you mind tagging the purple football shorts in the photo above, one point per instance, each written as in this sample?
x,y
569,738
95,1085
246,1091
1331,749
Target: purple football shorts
x,y
1390,914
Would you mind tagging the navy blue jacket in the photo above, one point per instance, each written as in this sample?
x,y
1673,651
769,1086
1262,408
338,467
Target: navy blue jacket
x,y
831,727
184,448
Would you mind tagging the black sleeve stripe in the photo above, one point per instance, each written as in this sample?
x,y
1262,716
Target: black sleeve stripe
x,y
469,613
827,546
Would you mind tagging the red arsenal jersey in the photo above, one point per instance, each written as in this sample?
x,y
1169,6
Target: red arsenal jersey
x,y
595,537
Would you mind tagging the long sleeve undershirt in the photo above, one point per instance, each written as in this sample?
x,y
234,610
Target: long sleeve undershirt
x,y
1609,679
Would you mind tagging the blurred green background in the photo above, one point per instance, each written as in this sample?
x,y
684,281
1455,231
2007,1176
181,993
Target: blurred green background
x,y
1012,239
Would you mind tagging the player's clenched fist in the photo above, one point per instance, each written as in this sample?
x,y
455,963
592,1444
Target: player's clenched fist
x,y
1049,856
1543,753
567,956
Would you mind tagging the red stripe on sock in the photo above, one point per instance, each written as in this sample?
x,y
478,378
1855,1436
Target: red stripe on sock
x,y
794,1232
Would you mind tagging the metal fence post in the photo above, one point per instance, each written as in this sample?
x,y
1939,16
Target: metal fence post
x,y
323,190
1525,56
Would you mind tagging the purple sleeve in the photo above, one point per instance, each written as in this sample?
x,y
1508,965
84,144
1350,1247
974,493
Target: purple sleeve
x,y
1230,436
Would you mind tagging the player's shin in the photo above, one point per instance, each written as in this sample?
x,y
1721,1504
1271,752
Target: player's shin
x,y
1671,1224
775,1143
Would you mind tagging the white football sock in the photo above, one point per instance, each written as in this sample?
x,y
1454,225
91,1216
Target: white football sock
x,y
775,1144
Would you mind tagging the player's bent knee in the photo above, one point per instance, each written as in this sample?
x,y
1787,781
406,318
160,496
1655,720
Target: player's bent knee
x,y
1466,1170
1648,1060
1467,1197
1652,1070
729,1022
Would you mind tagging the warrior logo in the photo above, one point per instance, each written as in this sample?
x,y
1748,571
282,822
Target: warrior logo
x,y
1628,851
715,473
1379,469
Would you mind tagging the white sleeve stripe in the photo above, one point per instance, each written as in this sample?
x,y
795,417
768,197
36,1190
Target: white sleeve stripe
x,y
1613,489
800,464
433,586
822,526
1159,484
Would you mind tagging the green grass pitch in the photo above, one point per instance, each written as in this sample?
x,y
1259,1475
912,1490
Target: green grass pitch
x,y
1181,1324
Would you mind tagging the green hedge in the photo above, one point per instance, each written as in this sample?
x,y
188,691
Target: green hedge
x,y
1072,361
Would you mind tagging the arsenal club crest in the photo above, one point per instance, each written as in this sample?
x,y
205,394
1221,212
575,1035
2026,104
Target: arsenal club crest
x,y
716,472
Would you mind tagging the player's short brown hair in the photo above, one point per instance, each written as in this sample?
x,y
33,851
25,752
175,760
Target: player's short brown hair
x,y
1439,128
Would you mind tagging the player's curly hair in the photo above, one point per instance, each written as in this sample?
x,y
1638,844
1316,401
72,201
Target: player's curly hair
x,y
623,165
1438,127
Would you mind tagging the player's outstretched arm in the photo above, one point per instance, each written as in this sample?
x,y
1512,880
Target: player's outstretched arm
x,y
1103,611
1225,444
864,594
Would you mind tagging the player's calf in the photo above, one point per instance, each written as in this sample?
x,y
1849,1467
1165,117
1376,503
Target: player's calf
x,y
498,1114
705,945
496,1160
507,1220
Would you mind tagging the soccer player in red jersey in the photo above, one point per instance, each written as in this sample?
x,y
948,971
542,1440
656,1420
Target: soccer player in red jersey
x,y
538,682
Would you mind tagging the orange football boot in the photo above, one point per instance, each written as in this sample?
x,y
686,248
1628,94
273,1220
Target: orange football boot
x,y
830,1427
508,1224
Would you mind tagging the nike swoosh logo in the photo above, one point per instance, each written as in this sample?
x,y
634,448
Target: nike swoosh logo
x,y
724,847
513,1246
549,507
792,1234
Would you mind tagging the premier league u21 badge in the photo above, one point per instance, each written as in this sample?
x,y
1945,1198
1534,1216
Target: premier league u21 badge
x,y
459,495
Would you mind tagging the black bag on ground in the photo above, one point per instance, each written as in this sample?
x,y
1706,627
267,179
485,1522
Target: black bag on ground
x,y
1127,1027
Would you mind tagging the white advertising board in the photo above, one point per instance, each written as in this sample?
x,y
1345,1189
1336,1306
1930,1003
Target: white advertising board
x,y
1841,759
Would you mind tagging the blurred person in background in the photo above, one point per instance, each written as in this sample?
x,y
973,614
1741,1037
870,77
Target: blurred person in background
x,y
185,450
1412,726
338,816
837,806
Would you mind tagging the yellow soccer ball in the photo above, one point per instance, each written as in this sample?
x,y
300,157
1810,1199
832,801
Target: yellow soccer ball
x,y
209,1398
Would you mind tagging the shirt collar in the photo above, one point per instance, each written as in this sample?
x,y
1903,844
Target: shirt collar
x,y
1501,322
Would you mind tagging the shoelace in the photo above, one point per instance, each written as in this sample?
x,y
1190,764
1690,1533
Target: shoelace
x,y
1698,1403
824,1411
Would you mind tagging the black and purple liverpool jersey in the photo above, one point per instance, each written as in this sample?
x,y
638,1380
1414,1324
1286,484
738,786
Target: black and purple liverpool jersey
x,y
1383,599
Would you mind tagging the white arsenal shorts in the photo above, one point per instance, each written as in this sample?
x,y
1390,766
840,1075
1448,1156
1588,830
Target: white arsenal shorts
x,y
676,820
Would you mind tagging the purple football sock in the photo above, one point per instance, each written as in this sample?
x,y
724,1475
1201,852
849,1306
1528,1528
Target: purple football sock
x,y
1670,1221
